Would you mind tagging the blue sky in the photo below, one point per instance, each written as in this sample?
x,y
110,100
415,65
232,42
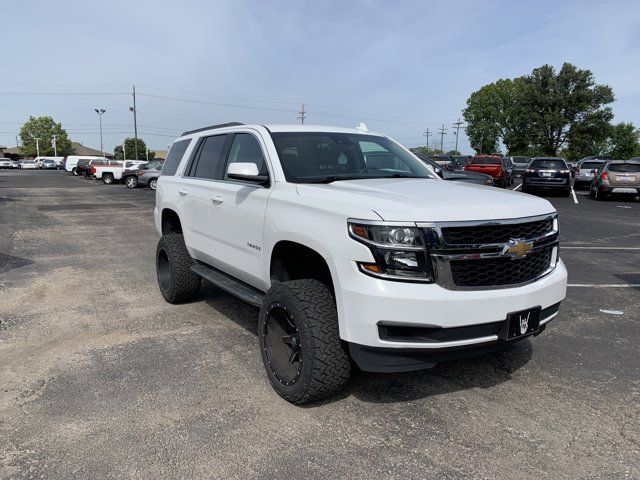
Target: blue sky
x,y
401,67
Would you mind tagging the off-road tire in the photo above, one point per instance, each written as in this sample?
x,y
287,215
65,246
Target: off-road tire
x,y
107,178
173,268
153,183
324,364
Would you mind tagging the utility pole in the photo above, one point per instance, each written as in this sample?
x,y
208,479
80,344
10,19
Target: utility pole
x,y
124,152
100,112
427,134
301,114
135,121
54,144
457,126
442,131
37,144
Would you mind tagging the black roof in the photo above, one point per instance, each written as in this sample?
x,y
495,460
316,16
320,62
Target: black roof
x,y
220,125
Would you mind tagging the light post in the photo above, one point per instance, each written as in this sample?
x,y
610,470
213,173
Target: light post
x,y
37,139
100,112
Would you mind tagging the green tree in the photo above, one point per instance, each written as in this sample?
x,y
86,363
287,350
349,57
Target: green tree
x,y
563,107
624,141
423,151
130,146
541,113
43,129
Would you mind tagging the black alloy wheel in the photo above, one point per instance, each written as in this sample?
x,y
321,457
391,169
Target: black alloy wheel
x,y
282,345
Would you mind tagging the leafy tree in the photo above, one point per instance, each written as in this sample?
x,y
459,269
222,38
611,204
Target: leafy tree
x,y
43,128
423,151
453,152
130,146
563,106
541,113
624,141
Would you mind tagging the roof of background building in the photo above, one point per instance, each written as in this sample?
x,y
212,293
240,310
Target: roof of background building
x,y
76,149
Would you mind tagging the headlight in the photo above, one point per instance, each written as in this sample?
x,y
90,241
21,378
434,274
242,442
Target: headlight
x,y
399,250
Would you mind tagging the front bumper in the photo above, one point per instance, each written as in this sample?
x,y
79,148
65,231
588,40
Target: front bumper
x,y
365,302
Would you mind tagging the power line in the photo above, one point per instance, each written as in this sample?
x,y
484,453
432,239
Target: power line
x,y
221,104
64,93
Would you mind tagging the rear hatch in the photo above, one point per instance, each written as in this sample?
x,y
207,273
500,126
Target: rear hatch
x,y
549,171
624,175
587,169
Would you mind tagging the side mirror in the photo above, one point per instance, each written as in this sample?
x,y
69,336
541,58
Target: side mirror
x,y
246,171
439,172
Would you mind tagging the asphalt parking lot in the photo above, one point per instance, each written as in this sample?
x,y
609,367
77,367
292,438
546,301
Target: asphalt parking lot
x,y
103,379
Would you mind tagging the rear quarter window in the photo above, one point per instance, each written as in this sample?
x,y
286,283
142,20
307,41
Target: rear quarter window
x,y
175,156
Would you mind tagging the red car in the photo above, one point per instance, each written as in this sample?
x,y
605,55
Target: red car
x,y
491,165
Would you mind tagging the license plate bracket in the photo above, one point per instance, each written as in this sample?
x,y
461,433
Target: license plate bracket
x,y
522,323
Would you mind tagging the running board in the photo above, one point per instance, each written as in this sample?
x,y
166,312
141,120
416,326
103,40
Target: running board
x,y
229,284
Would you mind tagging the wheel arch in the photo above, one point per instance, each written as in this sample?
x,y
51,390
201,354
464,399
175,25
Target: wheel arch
x,y
291,260
170,222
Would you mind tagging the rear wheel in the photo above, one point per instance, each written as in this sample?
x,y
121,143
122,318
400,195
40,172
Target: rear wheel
x,y
131,182
300,342
107,178
153,183
173,267
74,171
597,195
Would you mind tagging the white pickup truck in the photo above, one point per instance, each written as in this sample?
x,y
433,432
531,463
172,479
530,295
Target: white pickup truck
x,y
114,171
353,250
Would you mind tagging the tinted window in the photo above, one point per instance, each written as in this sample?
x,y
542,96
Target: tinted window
x,y
308,157
521,159
246,149
485,161
208,163
590,165
175,155
625,167
550,164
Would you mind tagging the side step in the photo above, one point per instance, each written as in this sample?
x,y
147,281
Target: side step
x,y
229,284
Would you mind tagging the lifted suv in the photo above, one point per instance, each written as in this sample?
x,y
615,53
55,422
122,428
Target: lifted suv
x,y
353,249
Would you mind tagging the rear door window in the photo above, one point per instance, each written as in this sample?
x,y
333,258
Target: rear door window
x,y
175,156
208,160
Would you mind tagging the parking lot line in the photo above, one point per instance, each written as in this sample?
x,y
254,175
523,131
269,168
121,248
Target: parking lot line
x,y
573,193
605,285
517,187
573,247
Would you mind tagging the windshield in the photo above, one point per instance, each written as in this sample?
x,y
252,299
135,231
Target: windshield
x,y
485,161
625,167
590,165
315,157
551,164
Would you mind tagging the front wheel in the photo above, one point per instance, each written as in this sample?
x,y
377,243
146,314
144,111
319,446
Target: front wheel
x,y
107,178
74,171
153,183
300,341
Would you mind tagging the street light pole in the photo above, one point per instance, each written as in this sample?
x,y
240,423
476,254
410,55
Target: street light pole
x,y
37,143
100,112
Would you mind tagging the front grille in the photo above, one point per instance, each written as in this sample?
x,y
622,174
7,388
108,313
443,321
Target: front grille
x,y
491,272
495,233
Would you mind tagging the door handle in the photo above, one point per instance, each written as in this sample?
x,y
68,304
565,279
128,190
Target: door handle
x,y
183,192
217,199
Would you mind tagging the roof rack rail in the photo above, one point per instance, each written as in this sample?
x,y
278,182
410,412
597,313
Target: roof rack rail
x,y
220,125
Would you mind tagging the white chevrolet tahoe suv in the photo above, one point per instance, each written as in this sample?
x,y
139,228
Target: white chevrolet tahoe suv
x,y
353,250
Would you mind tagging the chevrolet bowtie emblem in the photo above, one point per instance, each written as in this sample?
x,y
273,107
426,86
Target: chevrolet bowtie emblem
x,y
517,248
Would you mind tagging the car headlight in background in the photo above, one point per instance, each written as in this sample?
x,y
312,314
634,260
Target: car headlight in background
x,y
399,251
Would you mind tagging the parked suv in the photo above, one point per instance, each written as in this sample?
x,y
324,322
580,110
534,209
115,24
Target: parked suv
x,y
585,171
616,178
547,173
352,249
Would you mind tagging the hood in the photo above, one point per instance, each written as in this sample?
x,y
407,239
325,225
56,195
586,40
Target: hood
x,y
427,200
